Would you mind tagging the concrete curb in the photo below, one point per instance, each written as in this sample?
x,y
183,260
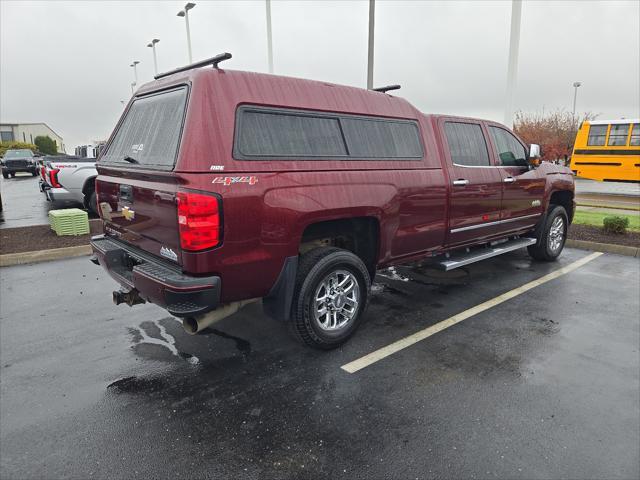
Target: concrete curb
x,y
609,207
604,247
21,258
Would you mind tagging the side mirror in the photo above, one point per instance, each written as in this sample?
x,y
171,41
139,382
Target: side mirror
x,y
534,155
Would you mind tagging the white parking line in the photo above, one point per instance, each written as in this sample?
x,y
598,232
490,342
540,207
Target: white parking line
x,y
403,343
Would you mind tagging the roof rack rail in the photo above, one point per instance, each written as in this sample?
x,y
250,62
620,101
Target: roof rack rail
x,y
210,61
387,88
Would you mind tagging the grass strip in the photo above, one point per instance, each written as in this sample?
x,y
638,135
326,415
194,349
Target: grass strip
x,y
595,219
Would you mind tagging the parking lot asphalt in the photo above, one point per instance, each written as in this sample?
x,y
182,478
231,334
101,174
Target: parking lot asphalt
x,y
24,204
543,385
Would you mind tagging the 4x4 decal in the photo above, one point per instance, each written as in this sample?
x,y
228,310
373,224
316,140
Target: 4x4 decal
x,y
231,180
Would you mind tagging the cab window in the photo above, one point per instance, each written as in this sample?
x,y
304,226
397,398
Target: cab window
x,y
466,144
510,151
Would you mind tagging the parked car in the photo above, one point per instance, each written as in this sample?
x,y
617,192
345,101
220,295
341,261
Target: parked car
x,y
20,160
221,187
69,178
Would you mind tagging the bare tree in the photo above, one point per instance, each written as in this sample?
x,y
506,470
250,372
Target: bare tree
x,y
554,131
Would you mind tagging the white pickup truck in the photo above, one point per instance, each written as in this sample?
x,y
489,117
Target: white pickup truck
x,y
69,178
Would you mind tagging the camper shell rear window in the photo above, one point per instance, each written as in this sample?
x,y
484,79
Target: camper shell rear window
x,y
264,133
149,134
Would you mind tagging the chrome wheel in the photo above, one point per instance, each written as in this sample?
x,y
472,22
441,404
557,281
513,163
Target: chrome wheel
x,y
336,300
556,234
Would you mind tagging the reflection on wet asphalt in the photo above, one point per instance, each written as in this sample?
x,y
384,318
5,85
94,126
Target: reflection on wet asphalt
x,y
544,385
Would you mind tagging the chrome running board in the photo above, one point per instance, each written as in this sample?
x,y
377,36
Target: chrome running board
x,y
456,260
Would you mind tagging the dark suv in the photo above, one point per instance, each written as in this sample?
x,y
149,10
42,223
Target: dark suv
x,y
21,160
220,187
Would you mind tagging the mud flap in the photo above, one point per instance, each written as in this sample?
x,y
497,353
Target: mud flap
x,y
277,303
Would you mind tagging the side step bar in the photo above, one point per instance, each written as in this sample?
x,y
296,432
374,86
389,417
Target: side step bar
x,y
460,259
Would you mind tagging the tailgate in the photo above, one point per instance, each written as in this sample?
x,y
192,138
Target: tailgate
x,y
142,213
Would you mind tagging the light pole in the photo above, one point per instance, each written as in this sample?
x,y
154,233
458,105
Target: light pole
x,y
372,20
133,87
269,40
152,45
185,13
512,69
135,71
575,96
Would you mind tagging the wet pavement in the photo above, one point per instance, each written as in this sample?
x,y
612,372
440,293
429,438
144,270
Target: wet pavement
x,y
545,385
24,204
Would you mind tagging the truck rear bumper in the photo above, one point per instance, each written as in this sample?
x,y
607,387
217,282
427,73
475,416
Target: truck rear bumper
x,y
156,281
56,194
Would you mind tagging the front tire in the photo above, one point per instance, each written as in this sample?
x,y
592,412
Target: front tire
x,y
552,237
330,297
5,175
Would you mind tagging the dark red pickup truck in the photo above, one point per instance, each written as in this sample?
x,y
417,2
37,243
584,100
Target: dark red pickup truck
x,y
220,187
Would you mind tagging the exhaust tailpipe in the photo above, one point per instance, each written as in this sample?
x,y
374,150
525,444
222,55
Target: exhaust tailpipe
x,y
131,298
194,325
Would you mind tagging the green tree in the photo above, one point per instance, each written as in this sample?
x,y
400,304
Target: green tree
x,y
4,146
46,145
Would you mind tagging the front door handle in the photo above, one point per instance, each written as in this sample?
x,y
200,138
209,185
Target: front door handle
x,y
461,182
508,180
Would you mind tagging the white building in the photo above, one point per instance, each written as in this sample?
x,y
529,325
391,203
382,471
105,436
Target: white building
x,y
27,132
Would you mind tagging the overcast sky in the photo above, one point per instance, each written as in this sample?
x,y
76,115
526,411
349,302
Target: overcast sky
x,y
67,63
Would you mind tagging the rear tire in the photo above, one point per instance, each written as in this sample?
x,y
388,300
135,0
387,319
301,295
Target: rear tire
x,y
5,175
330,297
92,203
553,235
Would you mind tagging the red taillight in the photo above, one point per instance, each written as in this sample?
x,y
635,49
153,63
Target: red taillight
x,y
198,221
53,178
43,172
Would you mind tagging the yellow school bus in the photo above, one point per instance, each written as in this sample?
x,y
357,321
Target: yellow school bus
x,y
608,150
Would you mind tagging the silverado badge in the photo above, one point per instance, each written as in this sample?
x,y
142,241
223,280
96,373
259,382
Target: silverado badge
x,y
128,213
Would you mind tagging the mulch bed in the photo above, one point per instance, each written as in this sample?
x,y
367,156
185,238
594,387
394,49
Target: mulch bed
x,y
41,237
597,234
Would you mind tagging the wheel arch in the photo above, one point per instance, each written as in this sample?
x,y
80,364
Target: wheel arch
x,y
89,185
360,235
564,198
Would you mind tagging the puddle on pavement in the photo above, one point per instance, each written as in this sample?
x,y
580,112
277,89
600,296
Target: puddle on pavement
x,y
152,332
135,384
243,346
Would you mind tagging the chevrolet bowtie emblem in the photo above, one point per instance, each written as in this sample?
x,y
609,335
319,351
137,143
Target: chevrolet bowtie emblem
x,y
128,213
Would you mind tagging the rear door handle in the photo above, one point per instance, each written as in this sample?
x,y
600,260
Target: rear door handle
x,y
508,180
461,182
